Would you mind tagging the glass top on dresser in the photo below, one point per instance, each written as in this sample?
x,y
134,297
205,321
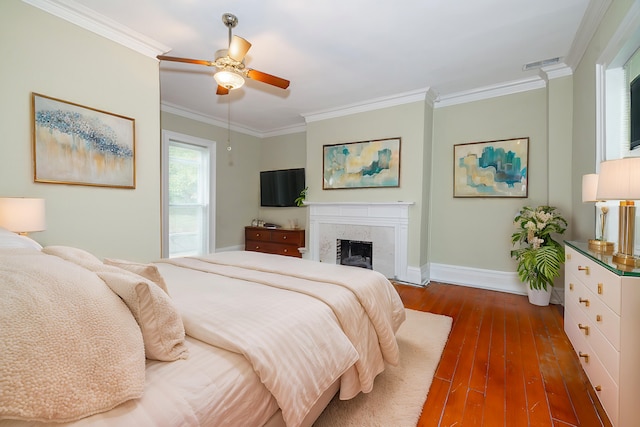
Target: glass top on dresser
x,y
604,260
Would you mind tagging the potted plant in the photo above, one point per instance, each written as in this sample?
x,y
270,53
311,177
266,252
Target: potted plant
x,y
539,256
299,201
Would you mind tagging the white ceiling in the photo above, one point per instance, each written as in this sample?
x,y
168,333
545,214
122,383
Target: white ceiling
x,y
340,53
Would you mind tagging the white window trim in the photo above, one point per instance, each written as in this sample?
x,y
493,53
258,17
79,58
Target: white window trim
x,y
610,143
168,136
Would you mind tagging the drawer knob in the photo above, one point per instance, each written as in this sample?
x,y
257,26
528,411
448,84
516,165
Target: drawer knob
x,y
257,247
286,250
598,388
585,328
284,237
598,318
585,269
568,257
600,288
585,301
570,286
585,356
257,234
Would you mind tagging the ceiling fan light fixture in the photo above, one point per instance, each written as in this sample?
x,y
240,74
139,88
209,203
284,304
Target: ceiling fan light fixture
x,y
229,79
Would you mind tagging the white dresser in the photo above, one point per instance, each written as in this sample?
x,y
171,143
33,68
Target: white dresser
x,y
602,320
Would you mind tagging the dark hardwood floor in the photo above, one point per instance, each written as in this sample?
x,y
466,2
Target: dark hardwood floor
x,y
507,363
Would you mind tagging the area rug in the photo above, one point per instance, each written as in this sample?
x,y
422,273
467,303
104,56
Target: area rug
x,y
400,391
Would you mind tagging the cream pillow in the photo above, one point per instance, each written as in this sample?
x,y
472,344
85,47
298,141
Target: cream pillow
x,y
74,255
9,239
161,324
69,347
148,271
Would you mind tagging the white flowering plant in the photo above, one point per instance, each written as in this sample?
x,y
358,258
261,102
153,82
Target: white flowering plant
x,y
539,256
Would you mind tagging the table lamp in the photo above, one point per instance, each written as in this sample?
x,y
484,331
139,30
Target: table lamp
x,y
620,180
589,191
22,215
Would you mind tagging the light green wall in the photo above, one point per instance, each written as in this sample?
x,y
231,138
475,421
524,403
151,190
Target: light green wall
x,y
427,183
404,121
44,54
284,152
475,232
237,178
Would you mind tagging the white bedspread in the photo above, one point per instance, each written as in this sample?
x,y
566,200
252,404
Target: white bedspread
x,y
213,387
345,315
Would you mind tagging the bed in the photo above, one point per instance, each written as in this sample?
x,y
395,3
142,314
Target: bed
x,y
228,339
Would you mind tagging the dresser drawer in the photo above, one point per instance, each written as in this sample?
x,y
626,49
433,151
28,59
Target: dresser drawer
x,y
605,386
253,234
288,237
599,314
602,282
273,248
594,339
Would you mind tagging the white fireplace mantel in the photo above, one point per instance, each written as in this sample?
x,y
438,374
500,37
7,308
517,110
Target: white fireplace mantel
x,y
393,215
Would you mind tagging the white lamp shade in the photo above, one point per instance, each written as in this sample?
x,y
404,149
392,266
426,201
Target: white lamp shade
x,y
589,187
619,179
22,215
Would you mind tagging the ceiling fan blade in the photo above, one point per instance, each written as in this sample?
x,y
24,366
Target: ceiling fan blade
x,y
222,90
267,78
186,60
238,48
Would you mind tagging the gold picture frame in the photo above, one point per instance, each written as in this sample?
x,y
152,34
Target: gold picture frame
x,y
491,169
364,164
78,145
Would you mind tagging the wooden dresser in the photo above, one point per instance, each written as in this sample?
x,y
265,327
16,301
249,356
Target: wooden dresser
x,y
602,320
280,241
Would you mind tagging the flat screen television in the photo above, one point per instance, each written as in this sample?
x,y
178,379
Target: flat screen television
x,y
634,114
280,188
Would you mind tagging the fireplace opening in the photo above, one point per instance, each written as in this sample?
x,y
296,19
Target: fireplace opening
x,y
355,253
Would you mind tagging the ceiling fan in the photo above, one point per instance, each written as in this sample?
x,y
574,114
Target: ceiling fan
x,y
230,63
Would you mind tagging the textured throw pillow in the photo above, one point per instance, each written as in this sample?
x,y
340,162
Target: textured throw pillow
x,y
69,347
161,324
148,271
74,255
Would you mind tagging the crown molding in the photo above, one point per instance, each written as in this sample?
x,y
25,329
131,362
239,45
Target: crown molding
x,y
203,118
588,27
88,19
426,94
493,91
555,71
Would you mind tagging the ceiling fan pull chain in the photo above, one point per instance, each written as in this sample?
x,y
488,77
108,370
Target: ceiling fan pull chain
x,y
229,153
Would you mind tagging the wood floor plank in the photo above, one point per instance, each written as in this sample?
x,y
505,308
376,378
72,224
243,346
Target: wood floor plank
x,y
470,316
506,363
537,404
516,403
495,396
435,403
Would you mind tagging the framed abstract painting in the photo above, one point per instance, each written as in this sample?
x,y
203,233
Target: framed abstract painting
x,y
73,144
364,164
491,169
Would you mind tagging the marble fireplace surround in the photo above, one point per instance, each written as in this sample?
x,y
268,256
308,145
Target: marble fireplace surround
x,y
383,223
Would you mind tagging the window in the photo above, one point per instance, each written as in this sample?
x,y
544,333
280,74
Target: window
x,y
188,213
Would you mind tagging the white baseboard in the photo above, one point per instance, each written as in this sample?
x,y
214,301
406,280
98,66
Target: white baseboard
x,y
502,281
477,278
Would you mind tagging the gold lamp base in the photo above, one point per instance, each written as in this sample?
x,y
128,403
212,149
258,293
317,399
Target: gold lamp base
x,y
624,259
601,246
